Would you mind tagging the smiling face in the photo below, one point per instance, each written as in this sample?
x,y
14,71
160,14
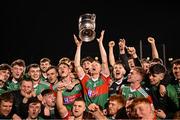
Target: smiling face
x,y
176,71
35,73
6,74
44,65
118,71
155,78
26,87
86,65
156,74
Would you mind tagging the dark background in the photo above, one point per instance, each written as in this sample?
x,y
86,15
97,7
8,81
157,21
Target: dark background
x,y
35,29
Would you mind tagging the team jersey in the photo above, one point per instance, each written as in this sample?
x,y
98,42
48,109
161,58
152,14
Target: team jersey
x,y
42,85
177,88
116,85
2,91
165,102
127,92
69,96
96,91
13,85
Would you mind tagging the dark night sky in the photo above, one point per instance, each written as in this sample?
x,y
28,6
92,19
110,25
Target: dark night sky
x,y
36,29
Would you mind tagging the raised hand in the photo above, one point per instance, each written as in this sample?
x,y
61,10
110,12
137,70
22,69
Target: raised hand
x,y
101,37
122,44
111,44
61,86
78,42
151,40
131,50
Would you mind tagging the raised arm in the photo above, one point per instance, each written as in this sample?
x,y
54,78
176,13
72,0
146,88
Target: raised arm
x,y
105,68
122,46
123,56
132,52
79,70
59,102
154,51
111,53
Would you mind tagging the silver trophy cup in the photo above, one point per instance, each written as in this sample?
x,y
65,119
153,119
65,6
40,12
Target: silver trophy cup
x,y
87,27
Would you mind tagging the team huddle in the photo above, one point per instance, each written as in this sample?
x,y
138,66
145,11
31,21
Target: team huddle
x,y
126,87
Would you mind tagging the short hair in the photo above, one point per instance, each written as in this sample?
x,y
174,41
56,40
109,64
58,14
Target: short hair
x,y
33,100
45,60
138,100
120,62
64,59
88,58
34,65
157,60
47,92
19,62
119,98
157,69
79,99
5,66
7,97
26,80
176,62
97,61
140,70
64,63
52,67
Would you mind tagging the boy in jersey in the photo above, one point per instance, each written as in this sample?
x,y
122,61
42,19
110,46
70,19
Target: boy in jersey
x,y
96,85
